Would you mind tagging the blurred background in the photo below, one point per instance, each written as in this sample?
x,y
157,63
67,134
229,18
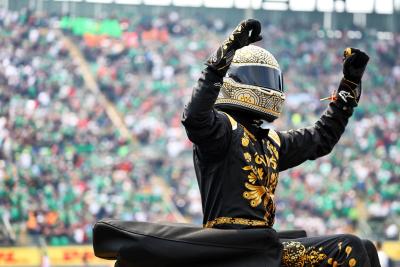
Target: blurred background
x,y
91,96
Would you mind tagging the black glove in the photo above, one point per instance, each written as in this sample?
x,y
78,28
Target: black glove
x,y
247,32
355,62
349,91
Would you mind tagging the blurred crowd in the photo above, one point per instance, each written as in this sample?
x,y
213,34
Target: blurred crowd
x,y
64,165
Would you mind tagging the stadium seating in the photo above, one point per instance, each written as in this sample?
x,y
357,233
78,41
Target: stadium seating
x,y
64,165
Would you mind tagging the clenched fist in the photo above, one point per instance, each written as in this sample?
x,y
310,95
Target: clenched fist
x,y
354,63
247,32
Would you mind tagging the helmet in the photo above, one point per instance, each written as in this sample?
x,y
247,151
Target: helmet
x,y
253,84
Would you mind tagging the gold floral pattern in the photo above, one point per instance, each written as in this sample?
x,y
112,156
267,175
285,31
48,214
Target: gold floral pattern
x,y
247,156
255,194
274,180
296,254
253,174
245,141
260,159
272,149
262,175
252,178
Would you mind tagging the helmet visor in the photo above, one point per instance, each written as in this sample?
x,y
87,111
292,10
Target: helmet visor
x,y
262,76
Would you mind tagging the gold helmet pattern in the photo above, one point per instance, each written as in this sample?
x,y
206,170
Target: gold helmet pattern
x,y
253,84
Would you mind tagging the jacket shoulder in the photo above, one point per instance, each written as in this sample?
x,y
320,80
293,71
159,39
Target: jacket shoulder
x,y
232,121
273,135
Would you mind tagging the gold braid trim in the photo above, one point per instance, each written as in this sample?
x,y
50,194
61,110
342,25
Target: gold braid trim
x,y
229,220
274,136
249,134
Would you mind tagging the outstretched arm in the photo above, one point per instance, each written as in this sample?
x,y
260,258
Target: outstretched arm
x,y
209,129
300,145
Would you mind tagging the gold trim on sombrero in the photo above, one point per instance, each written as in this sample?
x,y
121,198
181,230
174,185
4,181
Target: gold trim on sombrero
x,y
255,55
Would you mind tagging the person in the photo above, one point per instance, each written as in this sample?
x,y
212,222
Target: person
x,y
237,162
237,158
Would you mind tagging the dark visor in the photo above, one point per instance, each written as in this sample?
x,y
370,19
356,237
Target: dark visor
x,y
261,76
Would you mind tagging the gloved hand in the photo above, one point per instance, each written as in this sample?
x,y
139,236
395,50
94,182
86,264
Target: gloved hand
x,y
247,32
354,63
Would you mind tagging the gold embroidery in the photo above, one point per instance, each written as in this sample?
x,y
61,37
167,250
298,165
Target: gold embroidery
x,y
272,149
348,250
269,208
315,257
296,254
245,141
229,220
273,163
247,156
252,176
247,97
260,174
247,133
247,168
352,262
273,181
259,159
274,136
262,191
255,194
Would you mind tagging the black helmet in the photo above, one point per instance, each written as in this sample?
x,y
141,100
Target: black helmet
x,y
253,84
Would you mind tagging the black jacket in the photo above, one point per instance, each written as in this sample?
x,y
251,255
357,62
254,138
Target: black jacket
x,y
237,164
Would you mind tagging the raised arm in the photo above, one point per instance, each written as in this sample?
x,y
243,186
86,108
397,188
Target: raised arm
x,y
205,126
300,145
